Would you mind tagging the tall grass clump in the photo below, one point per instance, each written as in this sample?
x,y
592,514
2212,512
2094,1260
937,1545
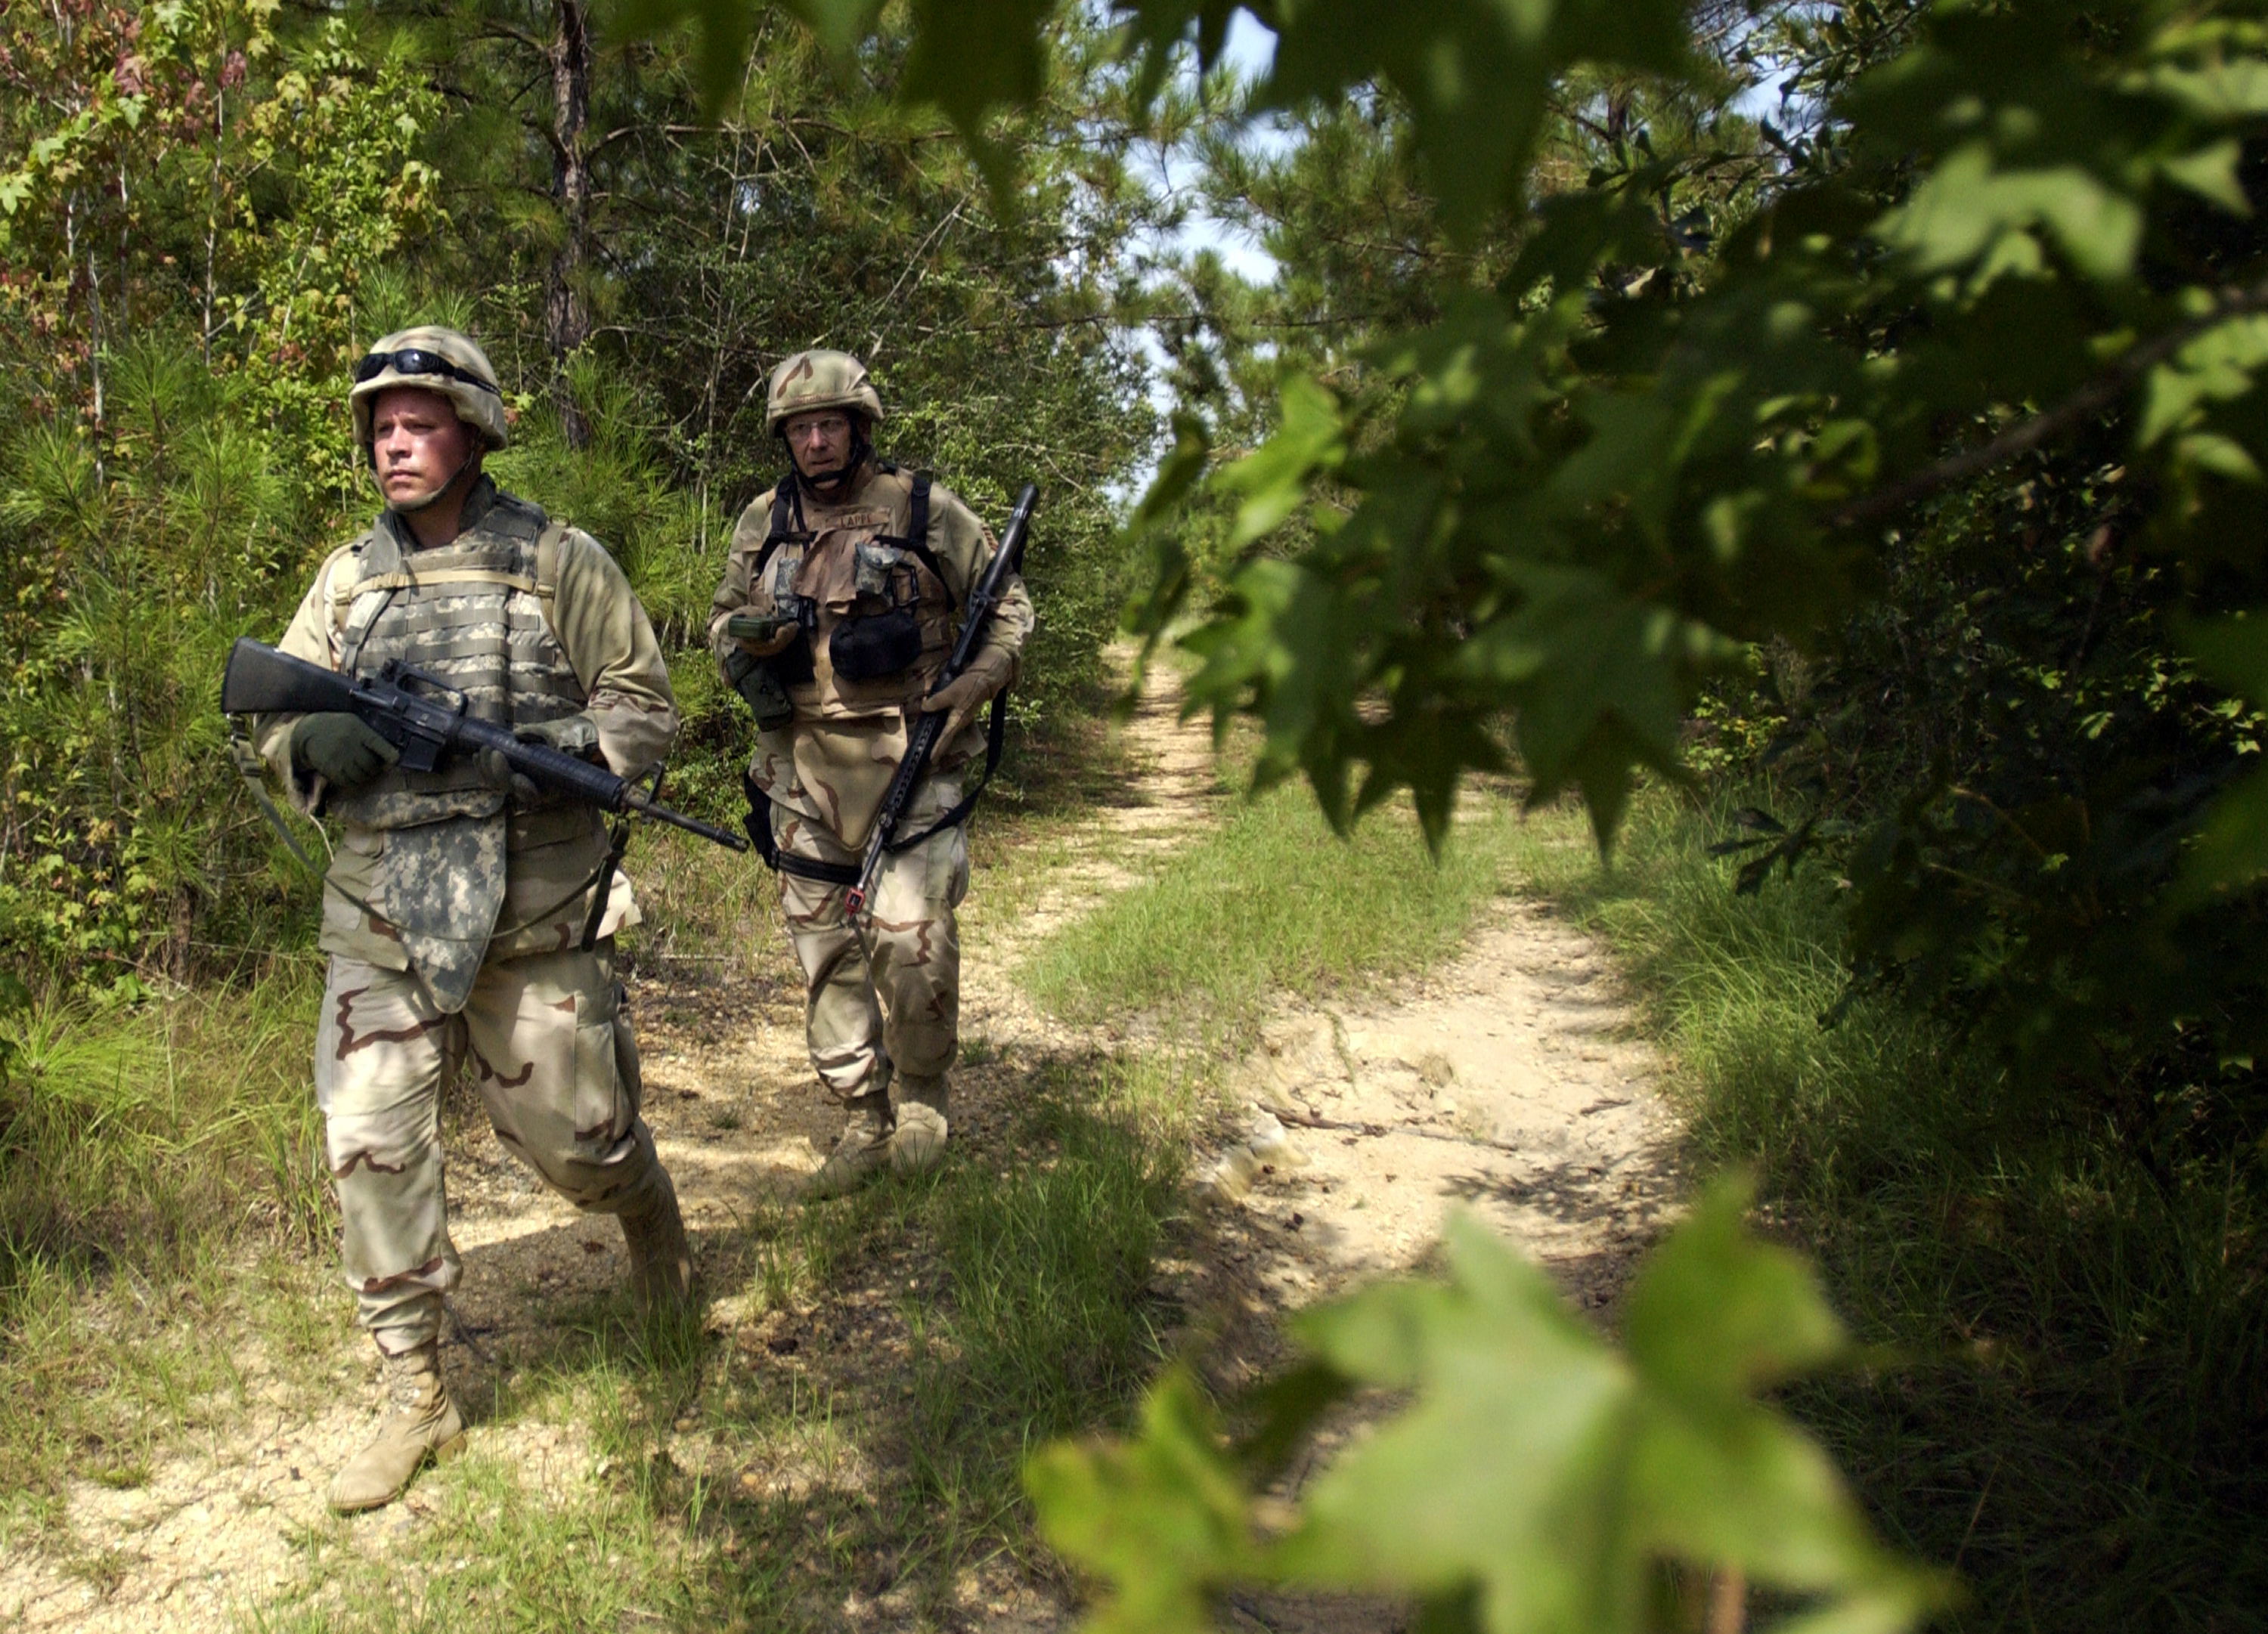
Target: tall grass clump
x,y
146,1156
2077,1381
1047,1262
1272,902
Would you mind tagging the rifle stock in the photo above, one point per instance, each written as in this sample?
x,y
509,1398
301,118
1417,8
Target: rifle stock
x,y
260,680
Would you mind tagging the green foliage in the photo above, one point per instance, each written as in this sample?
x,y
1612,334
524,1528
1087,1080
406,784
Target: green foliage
x,y
1048,1262
2072,1420
1537,1480
180,300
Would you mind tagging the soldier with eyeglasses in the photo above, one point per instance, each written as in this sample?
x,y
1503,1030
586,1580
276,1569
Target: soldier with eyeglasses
x,y
856,569
455,905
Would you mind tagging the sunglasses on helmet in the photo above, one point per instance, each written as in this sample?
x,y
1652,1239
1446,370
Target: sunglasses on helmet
x,y
411,360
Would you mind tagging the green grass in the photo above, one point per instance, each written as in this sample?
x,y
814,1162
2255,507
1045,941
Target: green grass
x,y
945,1325
1272,902
159,1170
1049,1330
2076,1413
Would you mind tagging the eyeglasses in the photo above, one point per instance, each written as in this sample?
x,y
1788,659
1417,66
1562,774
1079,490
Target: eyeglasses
x,y
411,360
826,425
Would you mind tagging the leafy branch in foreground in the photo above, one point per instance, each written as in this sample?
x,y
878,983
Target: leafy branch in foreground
x,y
1583,495
1539,1482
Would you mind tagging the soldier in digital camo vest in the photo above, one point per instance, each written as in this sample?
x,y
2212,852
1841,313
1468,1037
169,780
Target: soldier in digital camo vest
x,y
851,572
454,908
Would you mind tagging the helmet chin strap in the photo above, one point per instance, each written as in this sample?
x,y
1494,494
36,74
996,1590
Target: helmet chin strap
x,y
411,507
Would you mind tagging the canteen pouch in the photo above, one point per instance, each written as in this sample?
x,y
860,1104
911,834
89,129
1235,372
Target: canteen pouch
x,y
875,645
758,683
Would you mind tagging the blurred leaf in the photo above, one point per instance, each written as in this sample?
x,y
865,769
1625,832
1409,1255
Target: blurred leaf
x,y
1535,1480
2218,366
1475,74
2232,849
1539,1465
1967,205
1310,439
1156,28
1161,1520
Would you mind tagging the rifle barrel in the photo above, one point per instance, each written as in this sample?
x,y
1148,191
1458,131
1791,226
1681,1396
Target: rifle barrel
x,y
646,808
921,743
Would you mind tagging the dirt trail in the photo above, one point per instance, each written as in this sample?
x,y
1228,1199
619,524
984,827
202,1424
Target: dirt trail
x,y
1506,1079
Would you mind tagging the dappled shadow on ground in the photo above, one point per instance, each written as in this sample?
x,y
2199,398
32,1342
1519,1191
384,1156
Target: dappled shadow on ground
x,y
833,1440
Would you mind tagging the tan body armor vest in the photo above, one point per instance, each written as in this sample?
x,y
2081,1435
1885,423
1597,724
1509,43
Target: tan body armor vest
x,y
473,614
869,592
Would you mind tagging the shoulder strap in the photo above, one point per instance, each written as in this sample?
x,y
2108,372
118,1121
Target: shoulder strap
x,y
917,527
915,543
550,544
996,736
547,546
339,590
355,607
786,503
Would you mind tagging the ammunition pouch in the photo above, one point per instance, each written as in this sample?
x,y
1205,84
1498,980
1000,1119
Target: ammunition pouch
x,y
758,683
792,663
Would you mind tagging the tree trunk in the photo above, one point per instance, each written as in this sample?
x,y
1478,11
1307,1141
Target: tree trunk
x,y
566,312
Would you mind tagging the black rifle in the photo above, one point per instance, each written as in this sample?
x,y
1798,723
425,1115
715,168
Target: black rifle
x,y
922,743
424,718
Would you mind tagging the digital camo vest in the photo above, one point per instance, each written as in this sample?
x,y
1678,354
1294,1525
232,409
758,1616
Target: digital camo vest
x,y
876,610
474,616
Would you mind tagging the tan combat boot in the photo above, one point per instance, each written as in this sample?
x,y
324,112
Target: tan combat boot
x,y
862,1148
424,1423
661,1260
918,1141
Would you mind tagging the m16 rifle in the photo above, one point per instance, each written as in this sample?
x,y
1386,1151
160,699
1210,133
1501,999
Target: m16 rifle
x,y
921,743
424,719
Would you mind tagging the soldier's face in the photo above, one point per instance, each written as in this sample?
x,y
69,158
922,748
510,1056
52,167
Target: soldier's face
x,y
820,442
417,441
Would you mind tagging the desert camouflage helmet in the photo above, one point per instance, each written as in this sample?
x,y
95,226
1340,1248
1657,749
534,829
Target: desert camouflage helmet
x,y
820,379
431,359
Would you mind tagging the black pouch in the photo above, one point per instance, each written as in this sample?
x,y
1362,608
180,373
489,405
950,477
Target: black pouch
x,y
876,645
793,663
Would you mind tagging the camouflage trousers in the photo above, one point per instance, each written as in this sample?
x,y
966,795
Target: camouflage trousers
x,y
556,1068
857,1049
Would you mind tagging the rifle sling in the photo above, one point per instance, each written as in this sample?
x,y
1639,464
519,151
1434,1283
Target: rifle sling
x,y
758,823
996,735
759,819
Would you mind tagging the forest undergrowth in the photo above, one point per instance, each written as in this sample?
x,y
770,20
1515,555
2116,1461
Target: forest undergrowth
x,y
970,1316
2057,1401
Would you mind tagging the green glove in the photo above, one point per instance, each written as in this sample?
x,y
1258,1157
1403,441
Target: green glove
x,y
341,749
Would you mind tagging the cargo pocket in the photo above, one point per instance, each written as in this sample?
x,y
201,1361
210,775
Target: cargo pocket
x,y
604,1107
